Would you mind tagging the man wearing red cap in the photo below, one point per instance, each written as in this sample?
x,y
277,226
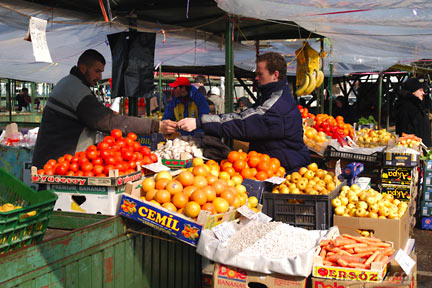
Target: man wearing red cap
x,y
187,103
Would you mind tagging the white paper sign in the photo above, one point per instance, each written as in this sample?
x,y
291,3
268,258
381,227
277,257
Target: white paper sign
x,y
37,29
405,261
224,231
247,212
156,167
263,217
275,180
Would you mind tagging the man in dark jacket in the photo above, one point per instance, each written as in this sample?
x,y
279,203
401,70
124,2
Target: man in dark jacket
x,y
73,114
273,125
411,115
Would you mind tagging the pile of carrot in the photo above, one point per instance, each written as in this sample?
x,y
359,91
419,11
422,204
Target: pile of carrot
x,y
354,252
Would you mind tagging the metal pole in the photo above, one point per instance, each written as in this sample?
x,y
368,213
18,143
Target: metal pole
x,y
9,96
229,66
133,101
320,92
160,87
330,84
380,79
388,108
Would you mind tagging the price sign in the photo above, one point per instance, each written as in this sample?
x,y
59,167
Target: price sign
x,y
37,28
275,180
405,261
224,231
247,212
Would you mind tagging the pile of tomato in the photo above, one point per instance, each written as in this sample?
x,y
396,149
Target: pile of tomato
x,y
114,152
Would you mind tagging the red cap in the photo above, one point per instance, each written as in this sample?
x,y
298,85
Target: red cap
x,y
180,81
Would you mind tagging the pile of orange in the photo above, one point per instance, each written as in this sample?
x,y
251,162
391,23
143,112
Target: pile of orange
x,y
202,187
252,165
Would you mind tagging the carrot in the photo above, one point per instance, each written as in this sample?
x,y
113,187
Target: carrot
x,y
351,259
351,251
379,258
323,252
350,237
387,251
373,239
349,246
365,249
357,265
372,257
328,263
333,258
342,262
324,242
385,259
382,244
333,248
363,255
330,253
340,241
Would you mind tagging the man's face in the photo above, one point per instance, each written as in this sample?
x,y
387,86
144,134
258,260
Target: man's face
x,y
419,93
263,75
93,74
180,91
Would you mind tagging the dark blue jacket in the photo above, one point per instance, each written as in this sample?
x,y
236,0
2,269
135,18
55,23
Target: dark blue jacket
x,y
273,126
195,106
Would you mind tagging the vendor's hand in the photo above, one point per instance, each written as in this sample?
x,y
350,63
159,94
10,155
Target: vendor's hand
x,y
167,126
187,124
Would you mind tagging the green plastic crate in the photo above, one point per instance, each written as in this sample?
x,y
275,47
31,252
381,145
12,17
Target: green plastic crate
x,y
17,228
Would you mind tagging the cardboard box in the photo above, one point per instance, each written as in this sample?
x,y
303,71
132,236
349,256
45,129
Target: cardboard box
x,y
151,141
427,193
87,199
400,192
114,179
397,175
177,163
227,276
426,223
426,209
401,159
393,230
177,225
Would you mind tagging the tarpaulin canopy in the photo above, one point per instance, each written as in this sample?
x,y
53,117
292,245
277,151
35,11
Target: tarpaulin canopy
x,y
364,35
70,33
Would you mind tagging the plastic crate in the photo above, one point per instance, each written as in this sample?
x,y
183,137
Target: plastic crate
x,y
312,212
16,228
376,157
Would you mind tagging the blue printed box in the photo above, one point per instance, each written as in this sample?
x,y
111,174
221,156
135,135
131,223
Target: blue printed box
x,y
175,224
426,223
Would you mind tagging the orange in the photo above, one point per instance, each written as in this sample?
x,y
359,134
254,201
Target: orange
x,y
263,166
233,156
282,171
225,165
211,162
151,194
247,173
186,178
163,174
210,192
199,170
162,183
262,175
274,167
148,184
265,157
229,196
239,165
243,155
252,154
200,181
179,200
209,207
199,197
189,190
221,205
192,209
230,170
219,187
162,196
211,179
169,206
174,186
253,161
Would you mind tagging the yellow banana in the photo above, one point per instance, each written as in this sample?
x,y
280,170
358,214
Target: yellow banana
x,y
300,91
312,84
319,78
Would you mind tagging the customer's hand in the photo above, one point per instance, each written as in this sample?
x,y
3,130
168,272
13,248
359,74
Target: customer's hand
x,y
167,126
187,124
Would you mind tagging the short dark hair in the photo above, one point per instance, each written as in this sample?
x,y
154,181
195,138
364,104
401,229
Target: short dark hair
x,y
200,79
275,62
24,90
89,57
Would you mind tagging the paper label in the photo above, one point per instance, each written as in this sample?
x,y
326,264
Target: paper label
x,y
263,217
247,212
275,180
156,167
37,29
405,261
224,231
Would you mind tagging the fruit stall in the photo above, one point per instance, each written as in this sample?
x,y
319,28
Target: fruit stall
x,y
124,213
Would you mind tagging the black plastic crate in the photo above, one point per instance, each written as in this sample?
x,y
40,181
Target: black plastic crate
x,y
312,212
376,157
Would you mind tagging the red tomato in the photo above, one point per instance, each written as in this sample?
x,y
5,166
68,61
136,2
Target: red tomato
x,y
82,160
82,154
153,157
87,166
52,162
138,155
70,173
107,168
61,170
74,159
100,175
110,160
40,171
103,145
89,174
49,171
104,154
129,142
127,155
146,160
91,147
121,167
116,133
68,157
79,173
145,151
98,169
97,161
132,165
61,159
109,139
132,136
92,154
136,146
73,167
48,166
121,143
115,147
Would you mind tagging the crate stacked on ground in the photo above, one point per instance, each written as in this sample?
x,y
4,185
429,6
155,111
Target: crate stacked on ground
x,y
426,201
303,199
24,213
400,177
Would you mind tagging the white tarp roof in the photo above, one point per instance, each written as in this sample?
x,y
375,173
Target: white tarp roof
x,y
364,35
76,33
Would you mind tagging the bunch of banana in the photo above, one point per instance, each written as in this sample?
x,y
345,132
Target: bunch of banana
x,y
308,75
